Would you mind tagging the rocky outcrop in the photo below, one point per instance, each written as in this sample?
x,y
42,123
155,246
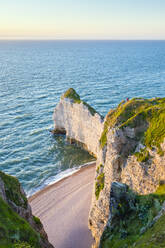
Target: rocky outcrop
x,y
132,215
130,149
119,166
79,121
17,216
125,159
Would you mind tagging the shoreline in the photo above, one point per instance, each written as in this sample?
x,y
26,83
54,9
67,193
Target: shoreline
x,y
63,208
78,170
59,178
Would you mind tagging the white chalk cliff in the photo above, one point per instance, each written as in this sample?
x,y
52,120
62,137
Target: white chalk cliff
x,y
76,120
117,144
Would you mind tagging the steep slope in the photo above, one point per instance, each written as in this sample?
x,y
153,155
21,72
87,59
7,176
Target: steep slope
x,y
130,149
18,227
135,219
132,146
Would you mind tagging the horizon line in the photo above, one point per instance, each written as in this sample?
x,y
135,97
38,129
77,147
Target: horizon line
x,y
74,39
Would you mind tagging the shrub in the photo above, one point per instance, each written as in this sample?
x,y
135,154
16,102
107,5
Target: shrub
x,y
20,244
99,185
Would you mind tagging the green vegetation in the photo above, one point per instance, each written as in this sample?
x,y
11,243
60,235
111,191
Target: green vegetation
x,y
99,185
142,156
149,114
99,168
22,245
72,94
13,191
14,229
154,237
132,222
37,221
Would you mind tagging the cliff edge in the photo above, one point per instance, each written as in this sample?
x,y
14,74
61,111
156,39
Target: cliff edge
x,y
130,148
18,227
132,145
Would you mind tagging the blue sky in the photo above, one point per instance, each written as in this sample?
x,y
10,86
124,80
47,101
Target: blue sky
x,y
82,19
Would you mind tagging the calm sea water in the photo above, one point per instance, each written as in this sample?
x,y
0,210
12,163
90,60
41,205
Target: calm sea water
x,y
33,75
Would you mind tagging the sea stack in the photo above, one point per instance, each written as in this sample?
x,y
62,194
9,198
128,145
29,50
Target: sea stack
x,y
80,122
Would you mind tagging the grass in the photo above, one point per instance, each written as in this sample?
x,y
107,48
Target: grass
x,y
132,223
72,94
142,156
139,112
154,237
14,229
13,191
22,245
37,221
99,185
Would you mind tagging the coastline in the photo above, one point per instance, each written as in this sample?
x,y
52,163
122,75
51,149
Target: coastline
x,y
63,208
75,170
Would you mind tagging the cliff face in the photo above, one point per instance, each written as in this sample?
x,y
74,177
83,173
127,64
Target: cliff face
x,y
133,147
79,121
130,150
17,224
117,166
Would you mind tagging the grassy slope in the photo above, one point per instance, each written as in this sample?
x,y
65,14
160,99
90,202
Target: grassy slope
x,y
136,112
12,189
14,228
71,93
154,237
132,215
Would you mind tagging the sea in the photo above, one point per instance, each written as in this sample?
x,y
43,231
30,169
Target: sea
x,y
34,74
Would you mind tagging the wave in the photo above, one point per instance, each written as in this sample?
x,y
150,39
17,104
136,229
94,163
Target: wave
x,y
60,176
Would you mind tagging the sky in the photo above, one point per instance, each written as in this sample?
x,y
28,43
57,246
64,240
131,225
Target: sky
x,y
82,19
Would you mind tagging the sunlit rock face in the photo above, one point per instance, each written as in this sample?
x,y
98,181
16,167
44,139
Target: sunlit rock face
x,y
122,167
128,144
78,123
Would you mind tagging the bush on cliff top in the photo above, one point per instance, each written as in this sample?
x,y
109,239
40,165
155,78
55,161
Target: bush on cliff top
x,y
72,94
132,225
138,112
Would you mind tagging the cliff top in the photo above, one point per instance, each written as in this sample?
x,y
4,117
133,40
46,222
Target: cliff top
x,y
149,113
72,94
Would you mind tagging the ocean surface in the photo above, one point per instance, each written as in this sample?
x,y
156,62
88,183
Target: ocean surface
x,y
34,74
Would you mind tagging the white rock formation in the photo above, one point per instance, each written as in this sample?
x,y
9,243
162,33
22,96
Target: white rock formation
x,y
79,124
116,161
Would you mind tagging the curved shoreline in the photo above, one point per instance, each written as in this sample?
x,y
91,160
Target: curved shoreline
x,y
76,170
63,208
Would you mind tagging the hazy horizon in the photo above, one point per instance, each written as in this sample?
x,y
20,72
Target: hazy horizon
x,y
82,20
53,39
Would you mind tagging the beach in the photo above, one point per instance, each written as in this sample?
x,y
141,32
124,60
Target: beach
x,y
63,208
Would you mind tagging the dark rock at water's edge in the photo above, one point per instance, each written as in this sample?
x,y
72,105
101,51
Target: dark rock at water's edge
x,y
18,227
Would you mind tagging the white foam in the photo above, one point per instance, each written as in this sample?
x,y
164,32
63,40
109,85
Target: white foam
x,y
61,175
